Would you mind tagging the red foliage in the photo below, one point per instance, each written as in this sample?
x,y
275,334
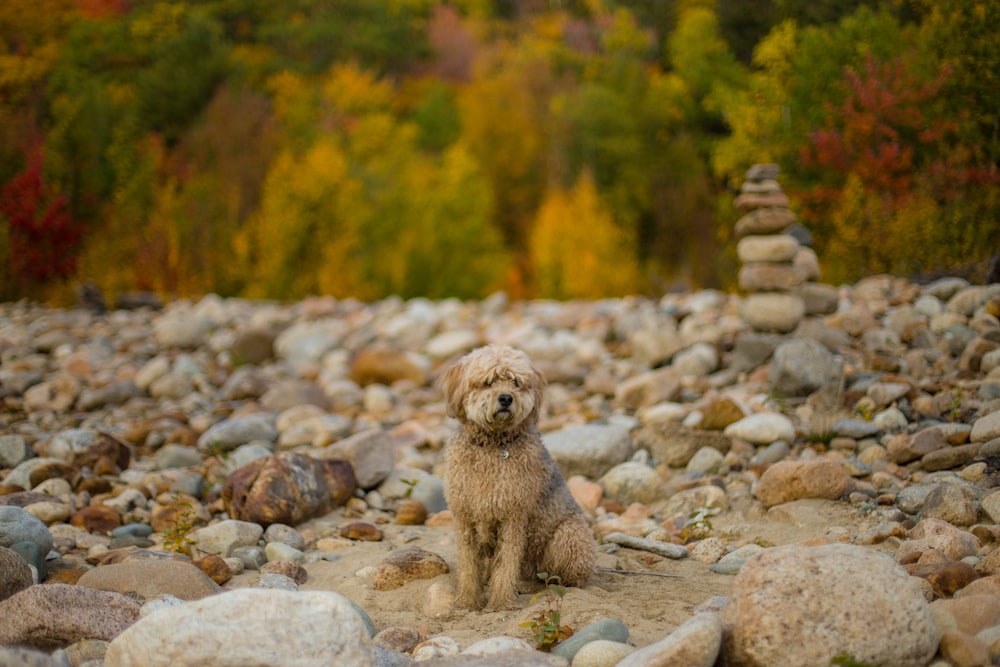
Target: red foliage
x,y
43,236
886,132
101,9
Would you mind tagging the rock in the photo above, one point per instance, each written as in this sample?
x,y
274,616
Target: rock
x,y
767,248
16,656
286,394
674,445
231,433
19,525
14,450
97,519
589,450
649,388
15,574
286,568
793,480
287,488
631,482
963,650
802,366
665,549
768,220
54,616
244,621
601,653
720,413
386,365
225,537
181,328
411,513
152,578
406,565
986,428
371,454
495,645
762,428
695,643
773,311
954,503
607,629
752,349
696,361
939,535
826,601
763,277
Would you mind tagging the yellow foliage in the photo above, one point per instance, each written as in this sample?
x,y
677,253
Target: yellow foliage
x,y
577,250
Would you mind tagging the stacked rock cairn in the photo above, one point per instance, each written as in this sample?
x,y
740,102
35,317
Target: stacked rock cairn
x,y
780,271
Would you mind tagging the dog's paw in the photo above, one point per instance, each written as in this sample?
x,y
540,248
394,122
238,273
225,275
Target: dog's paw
x,y
502,603
472,602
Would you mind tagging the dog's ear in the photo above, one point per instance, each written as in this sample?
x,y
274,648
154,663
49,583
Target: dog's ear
x,y
450,384
536,385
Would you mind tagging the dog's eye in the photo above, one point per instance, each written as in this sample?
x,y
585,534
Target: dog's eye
x,y
517,383
488,383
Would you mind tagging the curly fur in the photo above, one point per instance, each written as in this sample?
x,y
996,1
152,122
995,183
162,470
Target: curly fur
x,y
514,516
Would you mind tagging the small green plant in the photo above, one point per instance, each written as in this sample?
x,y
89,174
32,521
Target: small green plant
x,y
177,537
410,485
545,626
698,526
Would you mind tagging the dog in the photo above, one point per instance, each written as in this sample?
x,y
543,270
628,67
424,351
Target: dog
x,y
513,513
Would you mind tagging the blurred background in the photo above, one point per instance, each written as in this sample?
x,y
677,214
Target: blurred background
x,y
561,149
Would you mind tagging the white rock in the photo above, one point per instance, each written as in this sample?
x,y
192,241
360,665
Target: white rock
x,y
762,428
494,645
221,538
245,628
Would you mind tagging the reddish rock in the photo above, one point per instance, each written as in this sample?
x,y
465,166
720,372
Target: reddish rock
x,y
386,365
360,530
97,519
792,480
411,513
287,488
286,568
215,567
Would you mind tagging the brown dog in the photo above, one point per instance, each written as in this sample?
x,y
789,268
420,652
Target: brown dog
x,y
514,516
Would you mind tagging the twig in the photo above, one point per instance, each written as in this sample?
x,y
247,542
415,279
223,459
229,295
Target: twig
x,y
611,570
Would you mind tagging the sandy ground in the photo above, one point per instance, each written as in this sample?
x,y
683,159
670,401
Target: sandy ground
x,y
650,606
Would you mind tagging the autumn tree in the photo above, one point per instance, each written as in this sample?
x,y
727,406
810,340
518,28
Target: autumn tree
x,y
578,250
42,236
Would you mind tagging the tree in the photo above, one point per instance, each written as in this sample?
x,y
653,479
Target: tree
x,y
578,250
42,235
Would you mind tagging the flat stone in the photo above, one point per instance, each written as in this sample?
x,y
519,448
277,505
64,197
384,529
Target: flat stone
x,y
406,565
152,578
695,643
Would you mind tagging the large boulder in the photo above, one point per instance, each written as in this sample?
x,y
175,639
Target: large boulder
x,y
801,606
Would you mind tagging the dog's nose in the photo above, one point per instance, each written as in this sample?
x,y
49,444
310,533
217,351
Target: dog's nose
x,y
505,400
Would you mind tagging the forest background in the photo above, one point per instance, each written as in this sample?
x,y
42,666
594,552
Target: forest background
x,y
560,149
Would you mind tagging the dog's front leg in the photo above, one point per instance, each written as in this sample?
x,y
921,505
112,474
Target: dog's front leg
x,y
507,565
470,583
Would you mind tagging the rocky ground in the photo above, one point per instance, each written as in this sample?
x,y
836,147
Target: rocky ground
x,y
757,499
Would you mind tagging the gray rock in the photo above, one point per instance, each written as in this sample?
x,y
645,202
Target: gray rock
x,y
54,616
753,349
176,456
826,601
371,453
589,450
695,643
253,557
14,450
285,534
665,549
19,525
231,433
767,248
802,366
855,428
16,656
244,622
986,428
33,556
